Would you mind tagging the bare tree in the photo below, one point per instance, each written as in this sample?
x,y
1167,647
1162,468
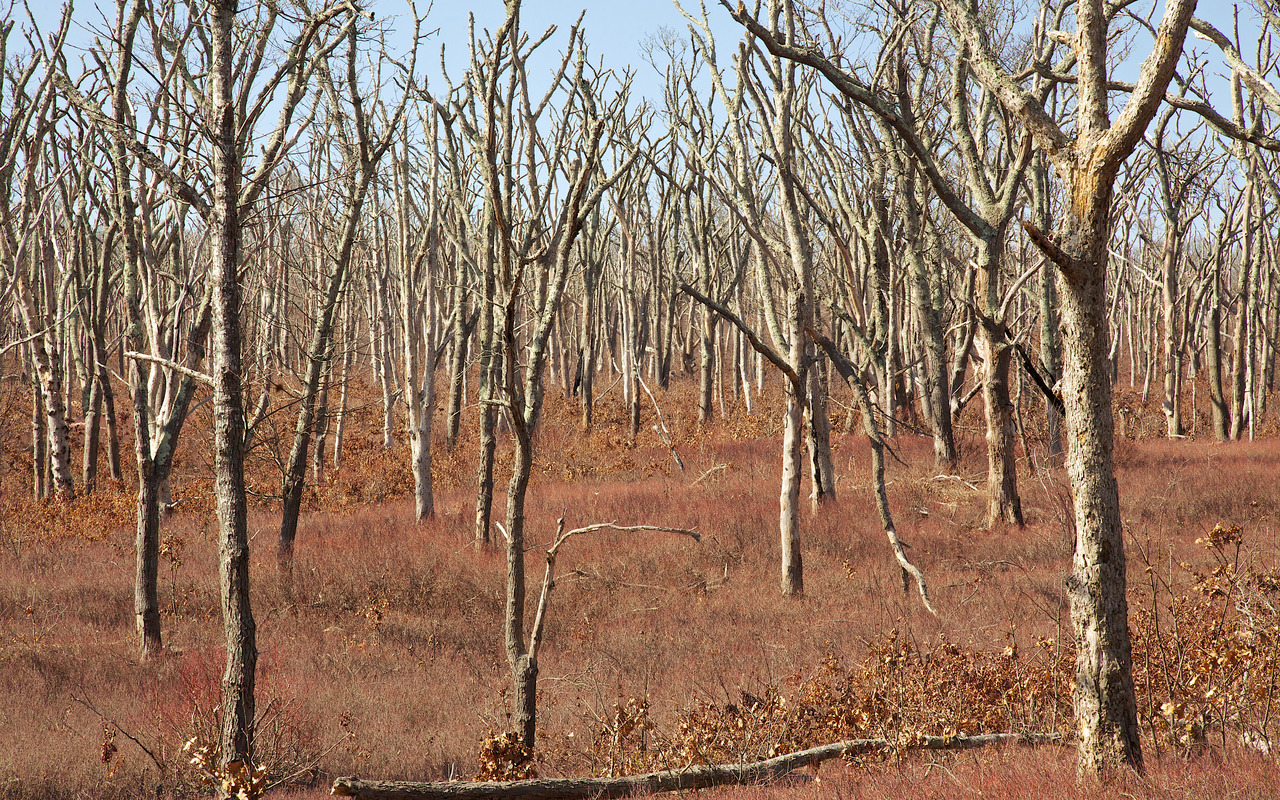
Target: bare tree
x,y
231,96
993,163
541,181
1086,159
360,147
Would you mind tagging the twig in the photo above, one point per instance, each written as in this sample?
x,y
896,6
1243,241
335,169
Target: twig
x,y
549,580
125,733
710,471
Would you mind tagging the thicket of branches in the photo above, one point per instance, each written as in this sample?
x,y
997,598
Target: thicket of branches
x,y
929,200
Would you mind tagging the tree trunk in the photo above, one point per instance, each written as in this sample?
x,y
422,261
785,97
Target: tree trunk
x,y
39,445
789,500
420,442
586,348
1003,503
1240,348
319,355
381,334
707,362
524,669
692,778
1170,333
322,425
48,383
457,372
228,408
821,466
146,596
1106,711
92,430
1213,361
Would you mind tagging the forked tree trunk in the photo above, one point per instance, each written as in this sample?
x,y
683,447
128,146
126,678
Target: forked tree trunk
x,y
1087,159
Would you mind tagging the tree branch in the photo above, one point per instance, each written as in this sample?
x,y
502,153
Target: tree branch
x,y
173,365
760,347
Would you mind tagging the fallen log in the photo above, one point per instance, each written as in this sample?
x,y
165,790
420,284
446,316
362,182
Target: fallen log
x,y
674,780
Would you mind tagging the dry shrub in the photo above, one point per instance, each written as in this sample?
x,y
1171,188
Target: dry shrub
x,y
901,692
504,758
1207,648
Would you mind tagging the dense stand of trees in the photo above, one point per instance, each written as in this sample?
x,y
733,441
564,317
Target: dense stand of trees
x,y
940,202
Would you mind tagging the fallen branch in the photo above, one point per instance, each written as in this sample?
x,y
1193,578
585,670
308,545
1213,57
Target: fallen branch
x,y
674,780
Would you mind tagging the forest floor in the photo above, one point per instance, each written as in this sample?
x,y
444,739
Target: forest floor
x,y
383,658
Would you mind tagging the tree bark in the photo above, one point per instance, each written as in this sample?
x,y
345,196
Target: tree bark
x,y
1106,710
240,631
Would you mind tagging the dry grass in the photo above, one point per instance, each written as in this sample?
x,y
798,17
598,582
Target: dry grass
x,y
385,659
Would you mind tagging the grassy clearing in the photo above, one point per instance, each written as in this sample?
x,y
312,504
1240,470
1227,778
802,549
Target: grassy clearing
x,y
385,660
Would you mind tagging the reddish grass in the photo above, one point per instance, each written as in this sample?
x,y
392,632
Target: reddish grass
x,y
385,658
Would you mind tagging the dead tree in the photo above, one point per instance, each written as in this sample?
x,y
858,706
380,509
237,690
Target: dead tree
x,y
542,178
1087,158
359,147
770,106
241,94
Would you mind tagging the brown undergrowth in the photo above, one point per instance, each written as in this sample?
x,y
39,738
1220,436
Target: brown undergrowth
x,y
383,656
